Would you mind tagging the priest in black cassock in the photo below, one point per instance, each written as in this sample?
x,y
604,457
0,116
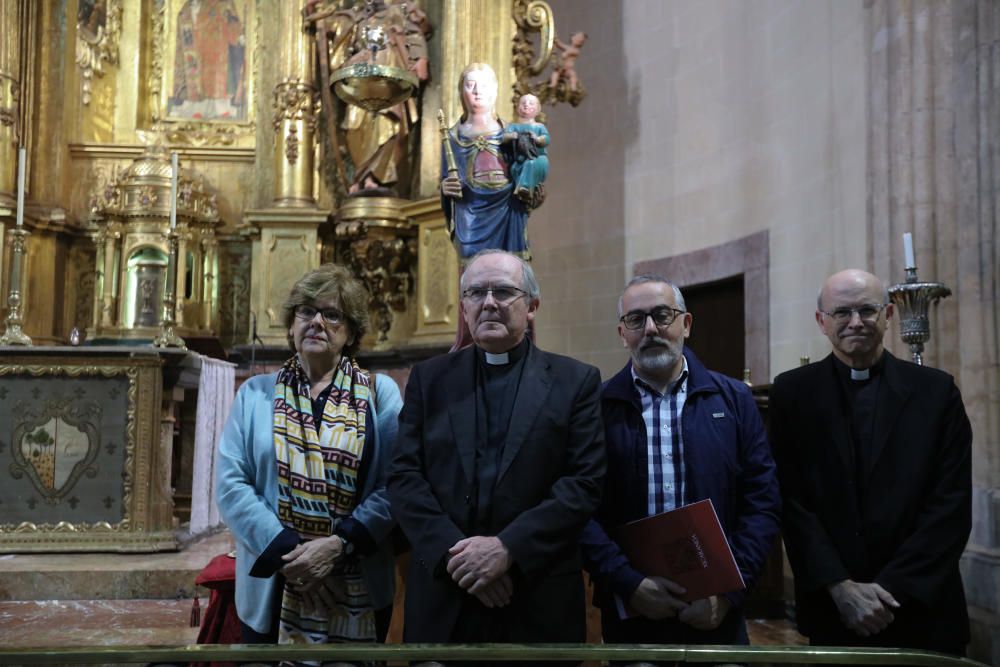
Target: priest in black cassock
x,y
874,462
498,464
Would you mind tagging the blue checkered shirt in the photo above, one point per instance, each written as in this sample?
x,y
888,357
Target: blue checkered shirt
x,y
664,442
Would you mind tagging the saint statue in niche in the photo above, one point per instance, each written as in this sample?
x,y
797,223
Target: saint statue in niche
x,y
480,197
209,62
375,142
486,202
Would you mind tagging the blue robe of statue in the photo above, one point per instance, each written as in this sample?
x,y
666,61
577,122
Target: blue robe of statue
x,y
488,215
530,172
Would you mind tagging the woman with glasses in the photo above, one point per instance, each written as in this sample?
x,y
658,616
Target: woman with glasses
x,y
301,474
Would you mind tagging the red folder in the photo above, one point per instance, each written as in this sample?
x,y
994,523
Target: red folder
x,y
685,545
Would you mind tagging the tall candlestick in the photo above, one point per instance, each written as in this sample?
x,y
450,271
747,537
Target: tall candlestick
x,y
20,186
908,250
173,190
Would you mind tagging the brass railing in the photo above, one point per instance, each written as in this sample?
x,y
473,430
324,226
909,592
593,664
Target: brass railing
x,y
486,653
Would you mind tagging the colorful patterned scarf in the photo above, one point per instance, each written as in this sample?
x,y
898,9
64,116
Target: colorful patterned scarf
x,y
317,487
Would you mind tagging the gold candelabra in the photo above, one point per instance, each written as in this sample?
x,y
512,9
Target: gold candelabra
x,y
168,337
14,335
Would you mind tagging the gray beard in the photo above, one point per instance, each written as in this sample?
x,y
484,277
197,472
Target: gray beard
x,y
656,359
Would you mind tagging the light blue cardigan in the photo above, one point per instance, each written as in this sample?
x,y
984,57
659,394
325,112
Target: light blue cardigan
x,y
246,479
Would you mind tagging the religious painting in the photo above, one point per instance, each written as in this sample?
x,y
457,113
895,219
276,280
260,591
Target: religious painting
x,y
203,64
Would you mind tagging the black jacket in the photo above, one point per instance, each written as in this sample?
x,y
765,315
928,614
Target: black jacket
x,y
549,484
906,530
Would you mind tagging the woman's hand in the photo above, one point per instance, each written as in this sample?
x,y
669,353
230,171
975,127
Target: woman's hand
x,y
308,563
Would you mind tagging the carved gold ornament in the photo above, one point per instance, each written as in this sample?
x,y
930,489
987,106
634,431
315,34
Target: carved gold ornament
x,y
294,101
98,28
10,96
562,83
292,145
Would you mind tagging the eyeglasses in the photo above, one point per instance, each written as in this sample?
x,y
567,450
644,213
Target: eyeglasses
x,y
868,313
330,315
502,294
663,316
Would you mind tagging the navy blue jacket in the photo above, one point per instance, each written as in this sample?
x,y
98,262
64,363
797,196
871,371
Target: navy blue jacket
x,y
726,458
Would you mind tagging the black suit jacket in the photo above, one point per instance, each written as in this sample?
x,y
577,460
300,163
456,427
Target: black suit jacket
x,y
906,530
548,485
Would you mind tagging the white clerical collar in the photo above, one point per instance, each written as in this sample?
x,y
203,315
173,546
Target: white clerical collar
x,y
860,374
501,359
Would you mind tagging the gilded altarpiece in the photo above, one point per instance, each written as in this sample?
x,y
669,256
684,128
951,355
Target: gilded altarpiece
x,y
80,454
231,85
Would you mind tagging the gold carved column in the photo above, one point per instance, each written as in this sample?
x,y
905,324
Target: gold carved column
x,y
10,84
11,36
285,235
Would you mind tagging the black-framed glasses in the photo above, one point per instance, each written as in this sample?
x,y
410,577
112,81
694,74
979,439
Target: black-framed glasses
x,y
663,316
502,294
330,315
868,312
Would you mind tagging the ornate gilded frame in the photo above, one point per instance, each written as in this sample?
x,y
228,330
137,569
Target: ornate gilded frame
x,y
97,44
139,530
180,130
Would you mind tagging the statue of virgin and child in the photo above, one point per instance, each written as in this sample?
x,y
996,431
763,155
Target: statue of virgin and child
x,y
494,174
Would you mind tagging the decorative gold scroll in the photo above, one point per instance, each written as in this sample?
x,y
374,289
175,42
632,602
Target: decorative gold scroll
x,y
535,16
98,29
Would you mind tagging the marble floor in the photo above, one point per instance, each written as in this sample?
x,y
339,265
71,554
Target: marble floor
x,y
74,600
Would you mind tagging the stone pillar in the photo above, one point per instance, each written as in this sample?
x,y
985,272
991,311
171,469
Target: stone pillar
x,y
975,331
934,98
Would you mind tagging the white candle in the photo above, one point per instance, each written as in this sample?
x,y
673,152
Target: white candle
x,y
173,190
21,159
908,250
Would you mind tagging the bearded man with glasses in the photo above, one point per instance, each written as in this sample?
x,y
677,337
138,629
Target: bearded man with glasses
x,y
874,459
676,433
498,466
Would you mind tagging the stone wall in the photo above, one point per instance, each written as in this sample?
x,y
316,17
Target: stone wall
x,y
705,122
832,125
578,235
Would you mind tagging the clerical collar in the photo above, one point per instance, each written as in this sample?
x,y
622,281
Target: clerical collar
x,y
860,374
501,359
511,356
